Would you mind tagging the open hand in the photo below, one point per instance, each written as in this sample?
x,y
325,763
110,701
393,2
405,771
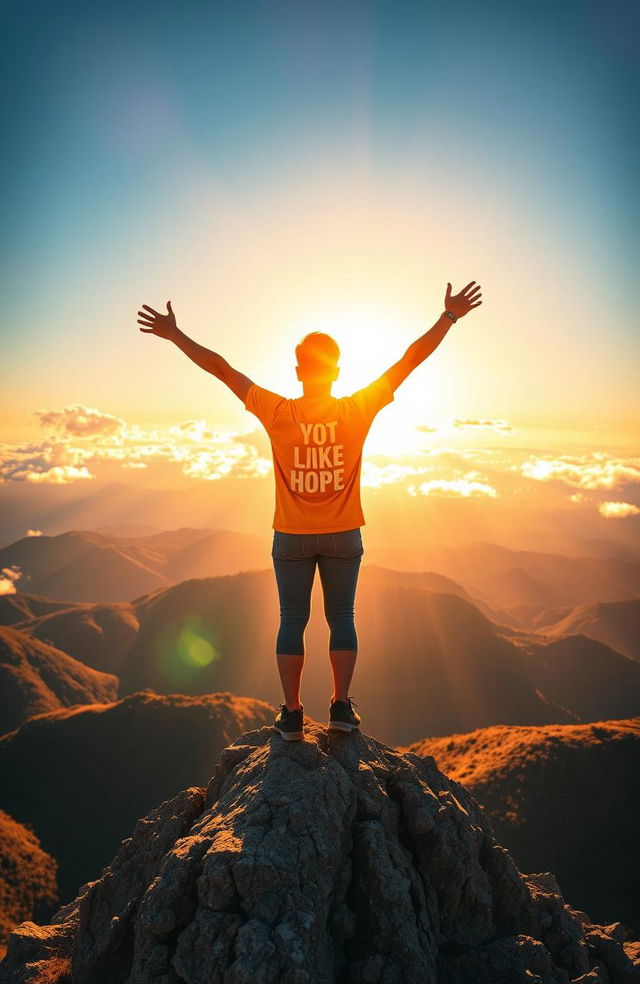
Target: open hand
x,y
163,325
460,304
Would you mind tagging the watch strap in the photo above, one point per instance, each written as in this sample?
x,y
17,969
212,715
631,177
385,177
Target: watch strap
x,y
451,315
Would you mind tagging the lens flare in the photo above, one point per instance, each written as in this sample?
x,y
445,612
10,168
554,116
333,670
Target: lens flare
x,y
185,648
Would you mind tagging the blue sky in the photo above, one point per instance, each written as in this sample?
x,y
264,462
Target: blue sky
x,y
529,109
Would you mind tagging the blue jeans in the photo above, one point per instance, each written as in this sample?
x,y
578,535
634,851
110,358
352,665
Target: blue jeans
x,y
338,556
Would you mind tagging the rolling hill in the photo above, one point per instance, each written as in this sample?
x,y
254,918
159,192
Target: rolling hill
x,y
430,663
36,677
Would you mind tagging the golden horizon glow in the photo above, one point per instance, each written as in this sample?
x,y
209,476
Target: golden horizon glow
x,y
370,266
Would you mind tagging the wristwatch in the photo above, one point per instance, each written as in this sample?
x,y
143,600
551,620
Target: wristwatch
x,y
451,315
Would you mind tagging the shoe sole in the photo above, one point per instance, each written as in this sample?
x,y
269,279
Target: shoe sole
x,y
291,735
342,726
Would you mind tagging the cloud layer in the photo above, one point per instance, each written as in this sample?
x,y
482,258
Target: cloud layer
x,y
83,441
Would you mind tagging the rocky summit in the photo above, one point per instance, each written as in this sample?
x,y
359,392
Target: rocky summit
x,y
336,860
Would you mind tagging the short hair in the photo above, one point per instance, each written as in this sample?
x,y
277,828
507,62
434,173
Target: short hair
x,y
317,354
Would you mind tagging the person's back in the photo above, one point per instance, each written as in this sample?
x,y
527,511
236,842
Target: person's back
x,y
317,454
316,442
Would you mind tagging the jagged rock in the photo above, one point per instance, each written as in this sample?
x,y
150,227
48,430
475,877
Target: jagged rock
x,y
336,859
537,786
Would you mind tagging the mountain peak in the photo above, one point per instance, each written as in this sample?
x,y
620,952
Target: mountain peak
x,y
329,860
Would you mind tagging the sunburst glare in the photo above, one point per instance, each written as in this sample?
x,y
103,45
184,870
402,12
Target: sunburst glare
x,y
371,339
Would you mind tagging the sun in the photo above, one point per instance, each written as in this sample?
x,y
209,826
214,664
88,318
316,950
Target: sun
x,y
371,340
367,338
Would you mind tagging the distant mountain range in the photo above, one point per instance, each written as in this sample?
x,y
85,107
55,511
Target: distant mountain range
x,y
510,579
86,566
431,661
520,585
616,623
126,509
36,677
99,635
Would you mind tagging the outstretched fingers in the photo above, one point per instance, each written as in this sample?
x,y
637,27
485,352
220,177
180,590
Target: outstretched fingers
x,y
473,297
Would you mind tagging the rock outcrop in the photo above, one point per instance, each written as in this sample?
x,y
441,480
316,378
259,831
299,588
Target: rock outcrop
x,y
336,860
552,793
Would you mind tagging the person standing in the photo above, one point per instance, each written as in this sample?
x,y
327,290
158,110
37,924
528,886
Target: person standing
x,y
316,441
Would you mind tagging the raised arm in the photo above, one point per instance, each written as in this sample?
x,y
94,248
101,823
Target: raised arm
x,y
459,304
164,325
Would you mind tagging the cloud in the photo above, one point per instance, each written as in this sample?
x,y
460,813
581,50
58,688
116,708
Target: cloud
x,y
54,461
617,510
197,430
460,423
58,476
201,453
595,471
220,463
374,476
92,438
465,487
258,439
8,577
80,421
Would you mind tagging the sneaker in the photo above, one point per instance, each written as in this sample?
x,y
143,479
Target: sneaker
x,y
342,717
290,724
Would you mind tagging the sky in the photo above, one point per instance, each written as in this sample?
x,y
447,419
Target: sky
x,y
276,168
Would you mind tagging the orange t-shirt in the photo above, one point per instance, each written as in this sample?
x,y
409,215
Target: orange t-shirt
x,y
316,442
